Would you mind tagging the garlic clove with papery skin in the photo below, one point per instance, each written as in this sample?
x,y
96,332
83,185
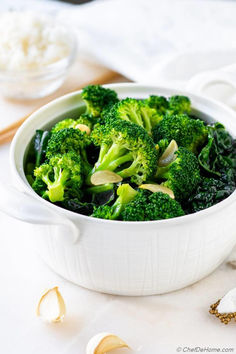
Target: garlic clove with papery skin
x,y
228,302
103,343
51,306
225,308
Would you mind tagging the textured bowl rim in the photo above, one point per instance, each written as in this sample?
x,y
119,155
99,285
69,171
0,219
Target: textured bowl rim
x,y
174,221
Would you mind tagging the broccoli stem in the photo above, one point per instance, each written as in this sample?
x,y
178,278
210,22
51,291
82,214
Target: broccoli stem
x,y
135,117
118,162
162,172
100,189
126,193
130,171
107,162
56,188
103,151
146,119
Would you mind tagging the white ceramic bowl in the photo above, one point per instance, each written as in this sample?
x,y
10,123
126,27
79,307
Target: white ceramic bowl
x,y
126,258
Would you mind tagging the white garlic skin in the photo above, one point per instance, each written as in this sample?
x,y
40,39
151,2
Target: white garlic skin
x,y
228,302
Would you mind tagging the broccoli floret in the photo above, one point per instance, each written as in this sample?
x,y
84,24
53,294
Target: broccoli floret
x,y
125,194
85,119
126,149
61,174
67,140
182,175
160,103
97,98
179,104
64,124
151,206
135,111
187,132
40,187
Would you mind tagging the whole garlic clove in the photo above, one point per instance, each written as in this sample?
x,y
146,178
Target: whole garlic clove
x,y
51,306
228,302
225,308
104,343
169,154
105,176
158,188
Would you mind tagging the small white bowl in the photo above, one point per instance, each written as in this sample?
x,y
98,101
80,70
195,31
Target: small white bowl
x,y
38,83
118,257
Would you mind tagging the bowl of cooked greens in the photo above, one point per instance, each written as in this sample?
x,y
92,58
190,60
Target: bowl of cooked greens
x,y
135,186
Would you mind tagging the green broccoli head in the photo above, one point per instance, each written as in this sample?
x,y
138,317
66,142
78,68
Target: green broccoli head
x,y
179,104
85,119
151,206
160,103
125,194
135,111
69,139
61,175
126,149
97,98
182,175
64,124
187,132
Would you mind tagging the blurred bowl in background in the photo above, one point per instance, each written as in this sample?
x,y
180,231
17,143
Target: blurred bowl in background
x,y
37,83
36,53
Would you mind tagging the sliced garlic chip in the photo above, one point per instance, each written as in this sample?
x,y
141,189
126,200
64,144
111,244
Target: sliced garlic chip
x,y
104,343
169,154
105,176
225,309
158,188
83,128
51,306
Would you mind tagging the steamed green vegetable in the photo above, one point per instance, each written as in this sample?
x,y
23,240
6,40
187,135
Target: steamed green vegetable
x,y
186,131
151,206
182,175
155,141
125,194
219,155
40,145
126,149
61,175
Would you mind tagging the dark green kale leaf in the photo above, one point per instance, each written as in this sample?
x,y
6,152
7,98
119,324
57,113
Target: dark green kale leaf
x,y
209,192
40,145
218,157
77,206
